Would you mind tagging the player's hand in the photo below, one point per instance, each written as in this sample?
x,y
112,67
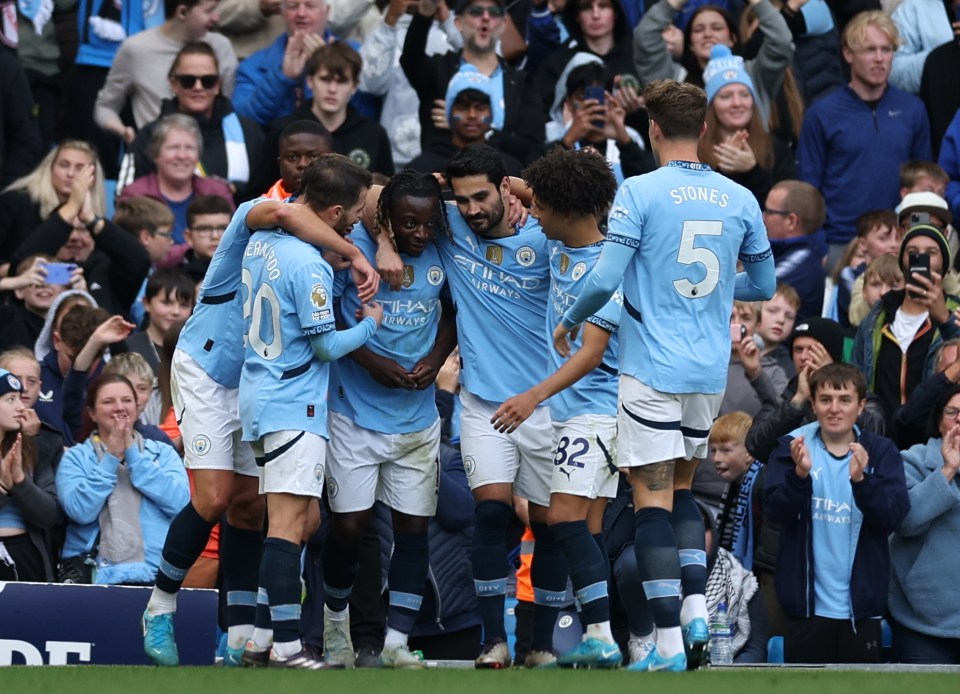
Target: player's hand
x,y
514,412
424,373
858,462
29,422
365,277
373,309
516,212
390,265
336,261
386,371
562,339
801,457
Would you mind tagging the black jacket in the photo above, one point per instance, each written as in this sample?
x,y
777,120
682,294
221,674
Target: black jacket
x,y
114,271
523,125
20,145
358,137
19,216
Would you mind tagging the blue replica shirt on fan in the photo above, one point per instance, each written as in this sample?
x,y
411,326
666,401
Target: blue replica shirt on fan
x,y
595,393
674,237
500,290
407,334
213,335
288,290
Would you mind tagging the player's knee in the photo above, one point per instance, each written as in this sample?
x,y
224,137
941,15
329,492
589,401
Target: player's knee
x,y
409,525
211,502
349,527
246,511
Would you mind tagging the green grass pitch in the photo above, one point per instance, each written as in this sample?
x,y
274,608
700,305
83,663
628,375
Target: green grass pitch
x,y
143,680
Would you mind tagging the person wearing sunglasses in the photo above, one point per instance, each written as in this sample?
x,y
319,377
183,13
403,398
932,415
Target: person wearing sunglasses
x,y
231,143
139,69
481,24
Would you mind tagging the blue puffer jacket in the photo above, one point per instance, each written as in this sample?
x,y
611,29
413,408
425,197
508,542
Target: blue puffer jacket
x,y
924,548
451,605
880,504
85,483
134,18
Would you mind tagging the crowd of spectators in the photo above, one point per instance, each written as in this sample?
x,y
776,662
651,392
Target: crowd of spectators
x,y
129,133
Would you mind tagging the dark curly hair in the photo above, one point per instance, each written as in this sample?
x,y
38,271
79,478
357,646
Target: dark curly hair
x,y
410,184
573,182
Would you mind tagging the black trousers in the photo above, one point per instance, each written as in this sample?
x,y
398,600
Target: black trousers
x,y
821,640
27,561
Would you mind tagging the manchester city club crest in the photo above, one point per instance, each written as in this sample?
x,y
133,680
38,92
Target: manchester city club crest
x,y
578,271
201,444
435,275
564,262
14,382
526,256
408,275
332,487
318,475
495,254
360,157
469,465
318,295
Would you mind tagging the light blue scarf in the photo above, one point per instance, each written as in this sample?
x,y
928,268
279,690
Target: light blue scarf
x,y
37,11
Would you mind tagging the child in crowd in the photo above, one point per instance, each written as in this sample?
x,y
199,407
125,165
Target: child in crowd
x,y
168,300
207,219
151,222
746,390
882,275
737,519
918,176
878,233
837,492
777,318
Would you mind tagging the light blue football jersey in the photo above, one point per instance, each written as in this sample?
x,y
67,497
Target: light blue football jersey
x,y
689,225
500,289
213,334
406,335
595,393
288,296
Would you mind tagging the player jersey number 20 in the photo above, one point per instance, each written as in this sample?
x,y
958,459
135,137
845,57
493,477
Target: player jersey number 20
x,y
264,306
689,254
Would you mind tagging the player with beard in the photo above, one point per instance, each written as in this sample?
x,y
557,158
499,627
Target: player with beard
x,y
499,278
291,337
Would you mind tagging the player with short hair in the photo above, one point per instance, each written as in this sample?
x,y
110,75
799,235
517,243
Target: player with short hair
x,y
204,387
498,276
290,336
675,236
572,190
384,425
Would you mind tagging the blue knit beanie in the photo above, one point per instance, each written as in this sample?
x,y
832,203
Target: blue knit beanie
x,y
725,68
469,78
9,383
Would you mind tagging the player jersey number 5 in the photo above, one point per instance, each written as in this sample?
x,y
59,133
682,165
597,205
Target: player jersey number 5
x,y
255,306
690,254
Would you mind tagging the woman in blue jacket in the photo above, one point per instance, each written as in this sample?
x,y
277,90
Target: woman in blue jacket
x,y
119,491
924,549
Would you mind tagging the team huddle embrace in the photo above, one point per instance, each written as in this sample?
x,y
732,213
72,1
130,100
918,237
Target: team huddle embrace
x,y
602,356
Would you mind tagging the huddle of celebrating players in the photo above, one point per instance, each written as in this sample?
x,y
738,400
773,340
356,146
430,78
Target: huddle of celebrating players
x,y
584,353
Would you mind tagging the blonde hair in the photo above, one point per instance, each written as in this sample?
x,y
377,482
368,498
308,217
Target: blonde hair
x,y
38,184
750,307
731,428
855,33
886,268
9,355
789,294
130,363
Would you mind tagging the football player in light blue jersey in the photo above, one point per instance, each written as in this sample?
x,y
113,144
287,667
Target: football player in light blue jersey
x,y
675,236
204,382
290,338
384,425
499,278
572,190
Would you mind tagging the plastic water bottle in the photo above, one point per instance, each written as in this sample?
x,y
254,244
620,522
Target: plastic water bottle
x,y
721,637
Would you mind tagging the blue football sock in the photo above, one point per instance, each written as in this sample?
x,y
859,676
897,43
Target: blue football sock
x,y
280,577
186,538
548,574
659,565
240,552
407,577
588,570
489,559
341,561
688,531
